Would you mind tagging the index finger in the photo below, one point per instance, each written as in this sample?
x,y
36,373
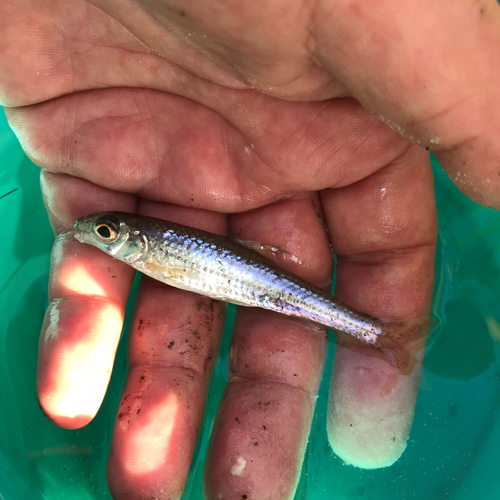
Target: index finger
x,y
88,292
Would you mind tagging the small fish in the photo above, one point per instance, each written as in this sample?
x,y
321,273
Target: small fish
x,y
227,270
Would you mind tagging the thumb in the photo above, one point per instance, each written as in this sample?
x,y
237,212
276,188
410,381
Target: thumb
x,y
430,70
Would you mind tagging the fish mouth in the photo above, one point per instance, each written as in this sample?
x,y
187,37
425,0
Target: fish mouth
x,y
81,229
79,236
78,233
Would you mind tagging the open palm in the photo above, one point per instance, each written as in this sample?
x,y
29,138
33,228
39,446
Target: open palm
x,y
243,118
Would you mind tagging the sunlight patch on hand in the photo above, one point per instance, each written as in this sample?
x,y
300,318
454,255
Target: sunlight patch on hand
x,y
84,366
151,440
79,280
74,276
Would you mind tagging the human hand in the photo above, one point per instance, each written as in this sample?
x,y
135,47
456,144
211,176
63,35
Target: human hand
x,y
164,121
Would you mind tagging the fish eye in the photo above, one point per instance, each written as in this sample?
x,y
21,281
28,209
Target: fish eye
x,y
107,228
105,232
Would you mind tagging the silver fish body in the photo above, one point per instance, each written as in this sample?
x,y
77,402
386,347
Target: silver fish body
x,y
220,268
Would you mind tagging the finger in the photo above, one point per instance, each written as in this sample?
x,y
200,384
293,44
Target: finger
x,y
168,148
173,345
383,230
261,430
87,296
437,84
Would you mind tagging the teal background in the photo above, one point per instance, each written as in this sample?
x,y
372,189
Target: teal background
x,y
454,446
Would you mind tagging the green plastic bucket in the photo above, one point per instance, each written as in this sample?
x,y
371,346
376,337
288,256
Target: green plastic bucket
x,y
454,446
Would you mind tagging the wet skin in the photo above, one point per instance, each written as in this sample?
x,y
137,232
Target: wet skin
x,y
236,117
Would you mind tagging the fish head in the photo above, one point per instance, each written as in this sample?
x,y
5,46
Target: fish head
x,y
110,232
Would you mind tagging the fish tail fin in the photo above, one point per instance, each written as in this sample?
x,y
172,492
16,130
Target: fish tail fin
x,y
401,342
